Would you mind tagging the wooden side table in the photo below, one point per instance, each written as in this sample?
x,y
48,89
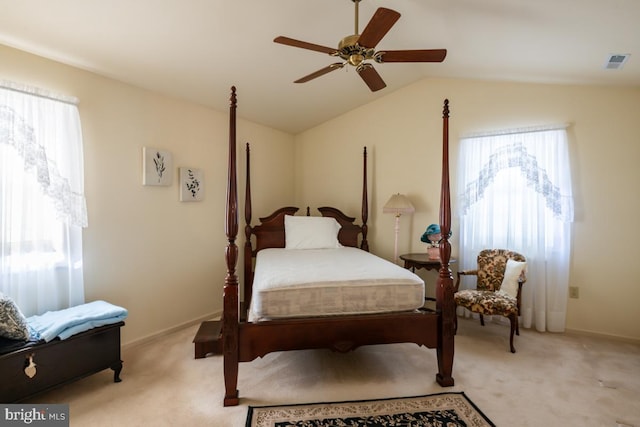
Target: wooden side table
x,y
421,260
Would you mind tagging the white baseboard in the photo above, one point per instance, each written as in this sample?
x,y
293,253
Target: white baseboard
x,y
602,335
152,337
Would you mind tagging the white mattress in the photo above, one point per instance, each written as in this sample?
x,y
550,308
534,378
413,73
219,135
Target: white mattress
x,y
326,282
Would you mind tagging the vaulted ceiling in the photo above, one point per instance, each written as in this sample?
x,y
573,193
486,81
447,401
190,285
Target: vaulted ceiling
x,y
197,49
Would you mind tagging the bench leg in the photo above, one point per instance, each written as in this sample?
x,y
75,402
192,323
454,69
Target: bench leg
x,y
117,368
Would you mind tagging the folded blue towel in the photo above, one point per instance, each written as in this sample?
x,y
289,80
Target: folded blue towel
x,y
73,320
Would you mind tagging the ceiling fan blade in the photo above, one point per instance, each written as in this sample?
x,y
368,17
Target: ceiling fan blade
x,y
320,72
423,55
371,77
378,27
304,45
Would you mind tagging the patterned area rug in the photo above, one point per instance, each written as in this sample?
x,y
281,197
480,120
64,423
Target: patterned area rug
x,y
443,409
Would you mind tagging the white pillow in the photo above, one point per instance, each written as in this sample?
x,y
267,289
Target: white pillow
x,y
311,232
511,275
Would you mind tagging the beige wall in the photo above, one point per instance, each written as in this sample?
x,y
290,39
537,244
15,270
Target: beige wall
x,y
145,250
163,259
403,133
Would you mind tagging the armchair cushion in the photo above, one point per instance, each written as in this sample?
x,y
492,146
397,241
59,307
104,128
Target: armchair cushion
x,y
487,302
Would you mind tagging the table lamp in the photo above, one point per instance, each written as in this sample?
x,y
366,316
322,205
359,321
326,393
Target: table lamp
x,y
398,204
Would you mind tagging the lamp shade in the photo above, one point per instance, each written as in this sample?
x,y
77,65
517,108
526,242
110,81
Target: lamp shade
x,y
398,204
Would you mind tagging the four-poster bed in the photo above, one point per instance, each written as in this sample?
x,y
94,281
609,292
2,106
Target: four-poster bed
x,y
245,339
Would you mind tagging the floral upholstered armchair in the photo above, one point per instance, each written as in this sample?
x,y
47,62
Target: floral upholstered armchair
x,y
500,276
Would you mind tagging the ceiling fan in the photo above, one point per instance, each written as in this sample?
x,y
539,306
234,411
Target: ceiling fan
x,y
357,49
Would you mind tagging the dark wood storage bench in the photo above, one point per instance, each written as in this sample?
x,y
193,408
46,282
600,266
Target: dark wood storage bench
x,y
59,362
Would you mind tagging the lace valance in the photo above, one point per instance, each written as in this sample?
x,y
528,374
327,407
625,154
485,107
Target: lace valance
x,y
516,156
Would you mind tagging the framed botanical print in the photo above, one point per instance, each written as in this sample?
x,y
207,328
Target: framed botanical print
x,y
157,167
191,185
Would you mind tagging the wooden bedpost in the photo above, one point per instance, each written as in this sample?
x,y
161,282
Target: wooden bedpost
x,y
444,286
365,204
230,328
248,249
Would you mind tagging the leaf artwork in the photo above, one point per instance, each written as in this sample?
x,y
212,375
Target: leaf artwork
x,y
192,183
156,167
158,160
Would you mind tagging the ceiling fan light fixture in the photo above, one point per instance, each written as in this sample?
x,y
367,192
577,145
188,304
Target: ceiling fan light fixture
x,y
352,52
356,59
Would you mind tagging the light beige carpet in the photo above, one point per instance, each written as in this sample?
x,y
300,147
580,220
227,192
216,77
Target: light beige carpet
x,y
553,380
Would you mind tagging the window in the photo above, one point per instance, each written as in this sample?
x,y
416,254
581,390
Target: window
x,y
42,206
515,193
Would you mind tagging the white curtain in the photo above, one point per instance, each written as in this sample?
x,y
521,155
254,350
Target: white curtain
x,y
515,193
42,205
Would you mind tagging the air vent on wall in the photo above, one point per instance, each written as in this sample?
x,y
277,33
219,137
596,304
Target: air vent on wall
x,y
616,61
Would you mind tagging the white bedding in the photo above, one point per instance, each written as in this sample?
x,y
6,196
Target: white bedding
x,y
323,282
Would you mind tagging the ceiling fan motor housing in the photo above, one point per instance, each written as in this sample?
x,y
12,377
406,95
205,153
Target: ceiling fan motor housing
x,y
352,52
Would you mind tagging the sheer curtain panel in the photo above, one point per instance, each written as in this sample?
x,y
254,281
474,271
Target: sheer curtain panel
x,y
515,193
42,205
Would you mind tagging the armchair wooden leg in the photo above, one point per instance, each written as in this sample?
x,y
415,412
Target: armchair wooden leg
x,y
482,320
514,321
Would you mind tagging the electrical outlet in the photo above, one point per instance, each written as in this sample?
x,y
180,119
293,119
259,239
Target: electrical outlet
x,y
574,292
